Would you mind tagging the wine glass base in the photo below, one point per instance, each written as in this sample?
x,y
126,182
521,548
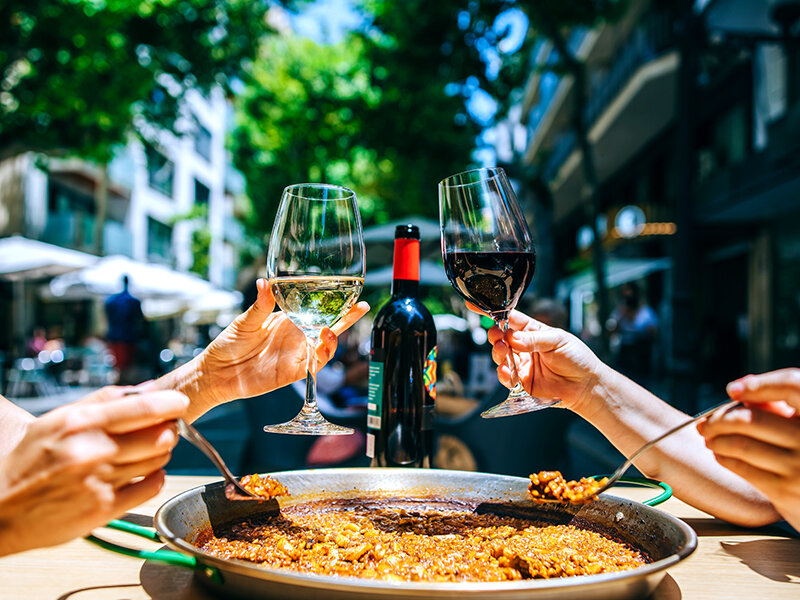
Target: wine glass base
x,y
517,404
313,424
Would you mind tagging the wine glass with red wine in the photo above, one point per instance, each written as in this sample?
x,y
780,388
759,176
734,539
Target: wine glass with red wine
x,y
489,258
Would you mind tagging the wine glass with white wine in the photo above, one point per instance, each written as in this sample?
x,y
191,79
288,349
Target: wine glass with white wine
x,y
315,268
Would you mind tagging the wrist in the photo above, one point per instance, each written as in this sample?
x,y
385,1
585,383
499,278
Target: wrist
x,y
195,380
595,393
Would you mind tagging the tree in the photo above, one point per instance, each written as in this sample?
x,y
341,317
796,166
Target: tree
x,y
75,73
383,111
298,120
551,19
421,55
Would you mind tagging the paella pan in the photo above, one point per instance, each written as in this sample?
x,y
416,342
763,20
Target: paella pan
x,y
184,521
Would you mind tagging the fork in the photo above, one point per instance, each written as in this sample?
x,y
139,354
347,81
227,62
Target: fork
x,y
626,465
233,490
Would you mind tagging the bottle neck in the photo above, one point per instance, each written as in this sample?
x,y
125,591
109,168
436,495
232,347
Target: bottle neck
x,y
404,288
405,280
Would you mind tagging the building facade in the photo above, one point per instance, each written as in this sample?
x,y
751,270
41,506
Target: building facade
x,y
693,121
170,201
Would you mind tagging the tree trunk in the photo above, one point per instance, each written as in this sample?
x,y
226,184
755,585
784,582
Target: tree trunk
x,y
542,202
577,70
595,203
100,209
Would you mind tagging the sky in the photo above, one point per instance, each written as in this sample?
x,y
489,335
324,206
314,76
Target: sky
x,y
326,21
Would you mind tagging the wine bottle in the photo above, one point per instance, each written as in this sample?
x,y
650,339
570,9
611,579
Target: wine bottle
x,y
402,369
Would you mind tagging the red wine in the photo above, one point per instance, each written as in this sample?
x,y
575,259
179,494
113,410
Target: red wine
x,y
402,370
493,281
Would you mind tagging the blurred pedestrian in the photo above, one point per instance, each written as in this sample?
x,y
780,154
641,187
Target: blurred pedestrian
x,y
37,342
125,329
635,325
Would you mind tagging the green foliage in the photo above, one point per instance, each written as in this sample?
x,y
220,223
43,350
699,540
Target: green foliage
x,y
297,121
383,111
73,73
201,250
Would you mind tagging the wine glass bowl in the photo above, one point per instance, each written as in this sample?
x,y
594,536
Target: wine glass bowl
x,y
489,257
315,269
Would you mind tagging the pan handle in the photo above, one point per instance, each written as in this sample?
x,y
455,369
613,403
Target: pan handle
x,y
665,495
169,557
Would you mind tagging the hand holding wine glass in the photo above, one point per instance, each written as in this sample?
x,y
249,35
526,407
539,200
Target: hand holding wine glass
x,y
315,268
489,257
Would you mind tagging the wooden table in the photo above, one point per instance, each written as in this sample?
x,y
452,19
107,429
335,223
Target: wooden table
x,y
730,562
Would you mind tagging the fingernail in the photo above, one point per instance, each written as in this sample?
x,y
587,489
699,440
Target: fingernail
x,y
168,437
735,388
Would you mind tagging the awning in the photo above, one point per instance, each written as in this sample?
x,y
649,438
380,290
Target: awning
x,y
25,259
618,271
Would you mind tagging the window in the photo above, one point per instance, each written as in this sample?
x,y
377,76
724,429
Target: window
x,y
159,241
160,171
201,193
202,141
63,198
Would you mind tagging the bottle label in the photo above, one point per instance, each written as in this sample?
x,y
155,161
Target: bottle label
x,y
406,259
371,445
428,374
375,395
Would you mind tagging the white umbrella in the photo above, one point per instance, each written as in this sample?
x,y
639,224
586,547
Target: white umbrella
x,y
209,307
163,291
22,258
147,280
447,321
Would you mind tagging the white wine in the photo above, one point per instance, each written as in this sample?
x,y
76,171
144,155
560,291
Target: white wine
x,y
314,302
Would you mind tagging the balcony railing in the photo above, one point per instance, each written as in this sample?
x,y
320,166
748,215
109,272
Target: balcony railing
x,y
649,39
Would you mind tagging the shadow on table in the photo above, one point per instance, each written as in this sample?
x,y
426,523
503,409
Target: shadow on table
x,y
767,557
165,582
668,589
137,519
97,587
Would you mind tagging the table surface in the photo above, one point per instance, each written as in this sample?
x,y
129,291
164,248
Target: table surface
x,y
730,562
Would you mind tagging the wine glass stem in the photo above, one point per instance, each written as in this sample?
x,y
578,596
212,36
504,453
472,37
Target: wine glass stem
x,y
310,404
512,363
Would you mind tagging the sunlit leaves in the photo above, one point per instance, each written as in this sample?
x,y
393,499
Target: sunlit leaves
x,y
73,73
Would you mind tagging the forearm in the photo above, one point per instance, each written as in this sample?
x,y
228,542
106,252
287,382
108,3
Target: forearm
x,y
628,415
14,422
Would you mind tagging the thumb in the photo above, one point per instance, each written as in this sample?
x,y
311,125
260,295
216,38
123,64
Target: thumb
x,y
255,316
544,340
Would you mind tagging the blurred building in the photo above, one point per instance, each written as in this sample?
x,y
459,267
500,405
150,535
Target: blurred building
x,y
170,201
693,118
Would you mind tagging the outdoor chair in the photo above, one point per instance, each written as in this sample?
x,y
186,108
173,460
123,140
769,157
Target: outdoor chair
x,y
28,376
